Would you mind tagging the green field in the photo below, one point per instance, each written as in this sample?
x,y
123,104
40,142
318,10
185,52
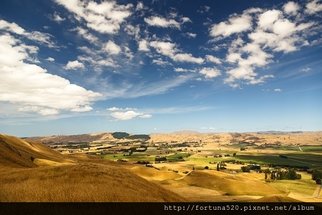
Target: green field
x,y
177,157
136,156
300,159
142,156
296,148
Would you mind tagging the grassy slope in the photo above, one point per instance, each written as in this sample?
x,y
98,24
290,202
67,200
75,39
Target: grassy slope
x,y
86,179
89,182
16,152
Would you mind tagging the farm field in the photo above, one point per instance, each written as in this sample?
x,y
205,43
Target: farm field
x,y
187,170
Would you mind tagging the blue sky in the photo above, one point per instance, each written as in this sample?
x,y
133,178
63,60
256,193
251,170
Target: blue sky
x,y
77,66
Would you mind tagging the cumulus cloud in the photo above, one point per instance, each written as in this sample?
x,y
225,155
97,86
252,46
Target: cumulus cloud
x,y
191,35
57,18
313,7
267,19
185,19
291,7
170,50
127,113
73,65
139,6
82,32
187,57
96,58
209,72
235,24
104,17
160,62
143,45
261,34
213,59
39,37
111,48
162,22
183,70
50,59
32,88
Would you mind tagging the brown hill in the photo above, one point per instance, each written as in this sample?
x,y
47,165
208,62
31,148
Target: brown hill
x,y
15,152
84,179
63,139
227,184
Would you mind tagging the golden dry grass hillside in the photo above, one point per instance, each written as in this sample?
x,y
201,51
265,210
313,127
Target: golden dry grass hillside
x,y
16,152
78,179
258,138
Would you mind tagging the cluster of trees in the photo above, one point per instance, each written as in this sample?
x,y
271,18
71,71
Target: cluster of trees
x,y
120,135
221,165
289,174
159,159
317,176
142,162
250,167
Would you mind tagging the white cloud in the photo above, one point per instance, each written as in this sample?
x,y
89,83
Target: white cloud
x,y
111,48
43,38
127,113
187,57
183,70
128,53
284,27
185,19
313,7
277,90
170,50
145,116
133,30
266,19
12,27
117,109
204,9
162,22
57,18
139,6
32,88
87,35
143,45
234,25
210,72
306,69
50,59
256,44
164,48
40,110
96,58
161,62
191,35
213,59
73,65
291,8
105,17
245,73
